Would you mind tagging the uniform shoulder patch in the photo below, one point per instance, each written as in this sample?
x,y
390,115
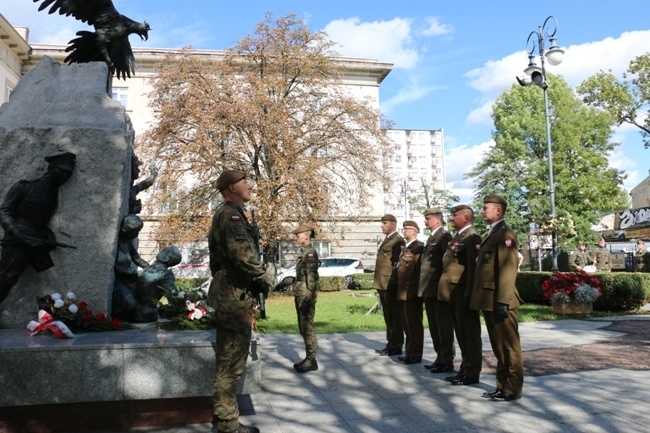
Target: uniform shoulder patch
x,y
235,218
508,243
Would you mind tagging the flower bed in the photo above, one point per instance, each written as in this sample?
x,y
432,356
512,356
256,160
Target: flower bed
x,y
571,288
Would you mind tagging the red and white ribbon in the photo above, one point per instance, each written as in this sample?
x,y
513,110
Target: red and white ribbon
x,y
47,323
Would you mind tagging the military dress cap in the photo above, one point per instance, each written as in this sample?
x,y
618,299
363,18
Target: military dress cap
x,y
409,223
229,177
389,217
303,228
65,160
494,198
458,207
433,211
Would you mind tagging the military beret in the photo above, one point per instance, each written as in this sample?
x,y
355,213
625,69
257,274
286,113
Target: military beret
x,y
494,198
229,177
410,223
65,160
303,228
458,207
389,217
433,211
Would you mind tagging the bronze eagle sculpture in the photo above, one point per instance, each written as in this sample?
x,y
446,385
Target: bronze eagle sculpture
x,y
109,42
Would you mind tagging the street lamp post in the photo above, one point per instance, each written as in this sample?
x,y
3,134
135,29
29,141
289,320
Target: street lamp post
x,y
537,75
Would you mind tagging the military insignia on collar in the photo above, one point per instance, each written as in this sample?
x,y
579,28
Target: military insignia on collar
x,y
235,218
508,243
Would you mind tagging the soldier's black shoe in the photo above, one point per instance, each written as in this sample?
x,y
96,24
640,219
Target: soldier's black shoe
x,y
307,365
244,429
299,363
491,394
381,350
464,380
390,352
452,378
442,368
504,396
430,366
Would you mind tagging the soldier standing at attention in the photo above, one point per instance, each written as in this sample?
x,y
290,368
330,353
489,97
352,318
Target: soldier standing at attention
x,y
385,281
580,258
641,257
306,292
237,280
438,313
495,294
408,281
602,259
459,265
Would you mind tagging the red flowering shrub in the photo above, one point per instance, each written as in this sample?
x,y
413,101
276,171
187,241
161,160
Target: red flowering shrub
x,y
566,287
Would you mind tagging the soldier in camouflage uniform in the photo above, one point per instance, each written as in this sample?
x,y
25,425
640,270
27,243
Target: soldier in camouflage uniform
x,y
602,258
306,293
238,278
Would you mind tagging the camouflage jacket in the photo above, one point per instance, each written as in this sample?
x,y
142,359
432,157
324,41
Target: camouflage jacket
x,y
235,266
307,273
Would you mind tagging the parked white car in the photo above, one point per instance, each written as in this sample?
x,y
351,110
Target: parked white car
x,y
329,267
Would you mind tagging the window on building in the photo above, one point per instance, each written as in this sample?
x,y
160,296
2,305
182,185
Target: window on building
x,y
322,248
121,94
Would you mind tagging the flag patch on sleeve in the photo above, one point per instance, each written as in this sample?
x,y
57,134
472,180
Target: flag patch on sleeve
x,y
508,243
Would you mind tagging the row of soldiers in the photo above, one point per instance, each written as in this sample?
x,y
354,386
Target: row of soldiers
x,y
453,277
599,258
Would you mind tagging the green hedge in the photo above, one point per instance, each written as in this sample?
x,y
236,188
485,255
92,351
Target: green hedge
x,y
362,281
331,284
622,291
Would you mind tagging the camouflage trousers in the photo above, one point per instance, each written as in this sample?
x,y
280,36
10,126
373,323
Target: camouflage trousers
x,y
306,309
232,353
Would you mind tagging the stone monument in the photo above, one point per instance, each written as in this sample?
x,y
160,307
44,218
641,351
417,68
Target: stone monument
x,y
56,109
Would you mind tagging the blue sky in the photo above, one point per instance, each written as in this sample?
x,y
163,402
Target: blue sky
x,y
451,59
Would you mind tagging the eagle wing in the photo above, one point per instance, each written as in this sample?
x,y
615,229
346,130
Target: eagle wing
x,y
88,11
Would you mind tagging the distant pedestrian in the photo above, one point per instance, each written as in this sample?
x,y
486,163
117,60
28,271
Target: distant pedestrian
x,y
495,294
602,257
305,295
581,258
385,281
641,257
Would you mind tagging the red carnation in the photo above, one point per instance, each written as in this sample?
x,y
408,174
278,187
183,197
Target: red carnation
x,y
101,316
82,304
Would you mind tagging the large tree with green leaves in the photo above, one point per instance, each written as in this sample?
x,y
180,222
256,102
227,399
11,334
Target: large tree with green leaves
x,y
275,105
517,166
627,100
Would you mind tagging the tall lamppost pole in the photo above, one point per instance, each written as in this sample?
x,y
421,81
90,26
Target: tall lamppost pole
x,y
537,75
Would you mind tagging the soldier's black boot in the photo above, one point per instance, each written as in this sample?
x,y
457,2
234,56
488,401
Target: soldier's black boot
x,y
307,365
243,429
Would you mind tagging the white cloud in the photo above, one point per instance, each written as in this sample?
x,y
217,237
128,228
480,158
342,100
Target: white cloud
x,y
580,61
436,28
458,161
388,41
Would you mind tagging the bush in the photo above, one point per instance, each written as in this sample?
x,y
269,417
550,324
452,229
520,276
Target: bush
x,y
646,285
622,291
331,284
364,281
186,284
529,285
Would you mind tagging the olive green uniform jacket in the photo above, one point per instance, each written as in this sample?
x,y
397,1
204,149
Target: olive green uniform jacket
x,y
602,259
580,259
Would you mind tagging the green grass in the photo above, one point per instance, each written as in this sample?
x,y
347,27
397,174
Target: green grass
x,y
345,311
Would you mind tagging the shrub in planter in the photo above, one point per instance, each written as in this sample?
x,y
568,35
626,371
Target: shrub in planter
x,y
529,285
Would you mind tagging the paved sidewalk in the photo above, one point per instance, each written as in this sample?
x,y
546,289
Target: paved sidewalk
x,y
356,390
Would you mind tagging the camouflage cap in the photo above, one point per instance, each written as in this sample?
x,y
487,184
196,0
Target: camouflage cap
x,y
65,160
458,207
389,217
303,228
433,211
229,177
494,198
409,223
